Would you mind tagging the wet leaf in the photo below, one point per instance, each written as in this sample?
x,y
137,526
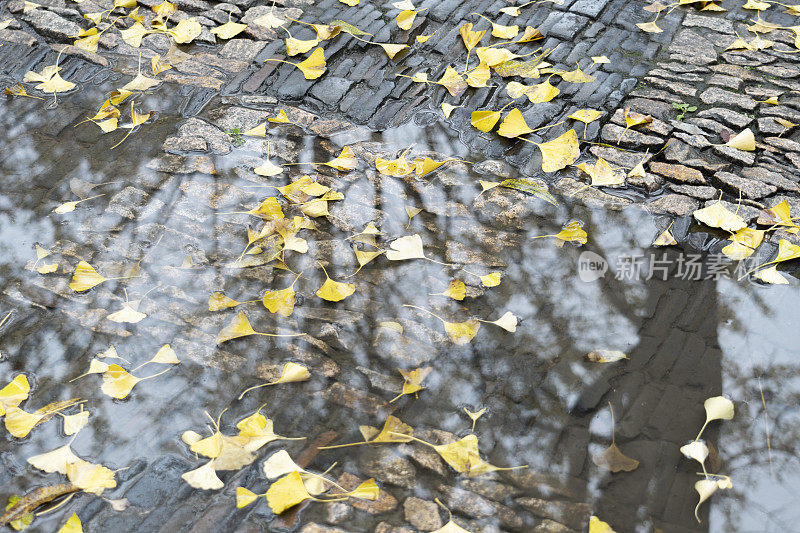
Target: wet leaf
x,y
513,125
165,356
696,450
279,464
508,322
408,247
605,356
55,460
530,186
91,478
218,301
268,168
186,30
134,35
281,301
117,382
392,49
229,30
485,119
469,37
479,76
368,490
772,276
127,315
346,160
335,291
576,76
600,60
649,27
756,5
291,373
49,80
743,243
708,486
457,290
14,393
245,497
204,478
462,332
718,216
76,422
349,28
560,152
287,492
743,141
474,416
405,19
297,46
452,81
448,109
542,92
492,279
85,277
451,527
598,526
614,460
72,525
412,380
602,174
270,20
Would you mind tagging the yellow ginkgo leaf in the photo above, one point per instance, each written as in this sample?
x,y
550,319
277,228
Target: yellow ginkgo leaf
x,y
614,460
560,152
368,490
279,464
55,460
204,478
334,291
19,423
117,382
474,416
602,174
85,277
756,5
598,526
14,393
479,76
717,408
508,322
412,381
405,19
134,35
245,497
287,492
572,232
218,301
350,3
208,447
743,141
576,76
281,301
542,92
229,30
718,216
743,243
586,116
470,38
239,327
424,38
457,290
270,20
448,109
346,160
268,168
291,373
165,356
76,422
513,125
452,81
392,49
312,67
298,46
600,59
186,30
127,315
72,525
408,247
772,276
89,477
50,81
665,238
462,332
492,279
649,27
485,119
605,356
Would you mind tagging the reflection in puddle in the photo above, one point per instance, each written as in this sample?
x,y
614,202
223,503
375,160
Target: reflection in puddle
x,y
546,407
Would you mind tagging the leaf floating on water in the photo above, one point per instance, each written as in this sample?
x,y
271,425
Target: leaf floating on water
x,y
394,431
492,279
279,464
287,492
707,487
128,314
346,160
605,356
218,301
240,327
665,238
76,422
462,332
118,382
457,290
49,80
718,216
14,393
508,322
68,207
412,381
696,450
55,460
598,526
72,525
474,416
245,497
529,186
280,301
408,247
717,408
743,243
291,373
334,291
602,174
772,276
612,457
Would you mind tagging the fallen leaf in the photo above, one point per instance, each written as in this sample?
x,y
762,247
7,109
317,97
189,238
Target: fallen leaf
x,y
14,393
513,125
457,290
602,174
717,408
291,373
474,416
743,141
772,276
605,356
287,492
72,525
408,247
485,119
55,460
743,243
560,152
204,478
186,30
598,526
718,216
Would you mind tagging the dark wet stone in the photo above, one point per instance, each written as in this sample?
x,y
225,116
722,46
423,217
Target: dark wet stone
x,y
679,173
564,25
735,155
712,23
748,188
385,465
613,134
590,196
715,95
701,192
772,178
572,514
50,24
330,90
673,204
590,8
692,47
728,116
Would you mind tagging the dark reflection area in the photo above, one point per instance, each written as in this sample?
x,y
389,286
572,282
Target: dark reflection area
x,y
547,408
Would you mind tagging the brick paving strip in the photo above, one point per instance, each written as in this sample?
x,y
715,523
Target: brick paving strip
x,y
648,73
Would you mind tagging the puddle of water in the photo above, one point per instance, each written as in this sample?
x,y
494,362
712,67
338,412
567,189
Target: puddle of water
x,y
687,340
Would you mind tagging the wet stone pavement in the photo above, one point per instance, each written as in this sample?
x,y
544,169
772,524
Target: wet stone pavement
x,y
168,189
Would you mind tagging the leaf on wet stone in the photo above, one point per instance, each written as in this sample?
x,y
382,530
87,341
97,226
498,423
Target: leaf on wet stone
x,y
270,20
614,460
743,141
392,49
479,76
186,30
134,35
19,423
245,497
474,416
560,152
485,119
492,279
602,174
530,186
204,478
280,301
718,216
118,382
298,46
756,5
453,81
76,422
513,125
218,301
348,28
229,30
508,322
49,80
291,373
573,232
279,464
368,490
743,243
448,109
600,60
605,356
127,315
72,525
586,116
665,238
405,19
408,247
85,277
462,332
14,393
649,27
469,37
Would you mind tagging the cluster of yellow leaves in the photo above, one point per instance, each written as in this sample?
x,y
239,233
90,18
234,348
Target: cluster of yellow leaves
x,y
117,381
19,422
228,452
